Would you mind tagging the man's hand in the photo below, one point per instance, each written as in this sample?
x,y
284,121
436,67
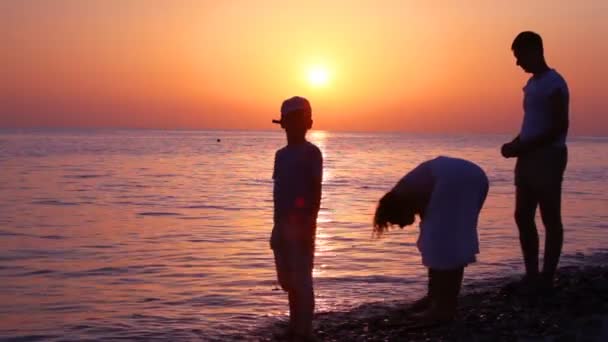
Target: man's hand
x,y
509,150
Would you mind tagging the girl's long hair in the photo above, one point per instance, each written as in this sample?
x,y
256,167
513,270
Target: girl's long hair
x,y
388,208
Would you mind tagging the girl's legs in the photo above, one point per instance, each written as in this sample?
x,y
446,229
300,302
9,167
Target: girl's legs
x,y
424,302
445,288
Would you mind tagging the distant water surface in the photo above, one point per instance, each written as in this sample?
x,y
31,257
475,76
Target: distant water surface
x,y
109,234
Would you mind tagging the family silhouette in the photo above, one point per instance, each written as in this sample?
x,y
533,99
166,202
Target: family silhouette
x,y
447,193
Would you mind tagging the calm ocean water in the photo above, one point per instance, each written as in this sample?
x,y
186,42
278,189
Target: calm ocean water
x,y
164,234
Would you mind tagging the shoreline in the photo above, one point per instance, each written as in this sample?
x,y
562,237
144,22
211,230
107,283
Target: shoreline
x,y
488,311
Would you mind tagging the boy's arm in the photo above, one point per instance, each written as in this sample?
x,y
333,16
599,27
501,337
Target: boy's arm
x,y
274,241
317,181
274,188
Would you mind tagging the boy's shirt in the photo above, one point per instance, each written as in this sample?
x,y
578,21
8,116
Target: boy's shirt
x,y
298,170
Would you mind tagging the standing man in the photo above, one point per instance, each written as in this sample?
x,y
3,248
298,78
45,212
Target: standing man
x,y
542,155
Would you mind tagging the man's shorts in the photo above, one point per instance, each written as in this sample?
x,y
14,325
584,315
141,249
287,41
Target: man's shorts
x,y
541,169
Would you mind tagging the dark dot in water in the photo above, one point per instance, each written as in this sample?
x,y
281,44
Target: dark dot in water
x,y
218,139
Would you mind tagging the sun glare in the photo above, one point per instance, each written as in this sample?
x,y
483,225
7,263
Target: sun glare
x,y
318,76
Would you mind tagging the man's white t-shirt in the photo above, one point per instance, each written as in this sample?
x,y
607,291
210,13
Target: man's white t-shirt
x,y
538,116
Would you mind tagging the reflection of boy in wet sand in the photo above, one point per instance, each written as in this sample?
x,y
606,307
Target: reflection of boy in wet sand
x,y
298,169
448,194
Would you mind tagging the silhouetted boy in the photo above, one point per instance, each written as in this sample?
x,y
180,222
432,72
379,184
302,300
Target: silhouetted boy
x,y
298,169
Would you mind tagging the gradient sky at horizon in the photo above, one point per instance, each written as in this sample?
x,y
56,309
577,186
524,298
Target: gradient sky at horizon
x,y
417,66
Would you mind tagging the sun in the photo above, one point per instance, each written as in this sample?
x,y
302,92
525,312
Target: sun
x,y
318,76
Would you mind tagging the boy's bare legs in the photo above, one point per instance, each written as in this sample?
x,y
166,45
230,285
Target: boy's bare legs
x,y
301,299
301,306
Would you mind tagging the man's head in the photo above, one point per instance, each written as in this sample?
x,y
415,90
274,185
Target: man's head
x,y
528,51
393,209
296,116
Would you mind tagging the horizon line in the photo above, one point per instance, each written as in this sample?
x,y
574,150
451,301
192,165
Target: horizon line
x,y
269,130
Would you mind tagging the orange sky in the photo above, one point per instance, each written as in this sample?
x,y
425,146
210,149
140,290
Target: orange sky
x,y
419,66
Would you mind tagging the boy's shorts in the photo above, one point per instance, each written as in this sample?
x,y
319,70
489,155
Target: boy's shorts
x,y
294,266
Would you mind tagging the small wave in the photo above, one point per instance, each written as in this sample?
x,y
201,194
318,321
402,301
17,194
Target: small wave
x,y
256,182
104,271
579,193
372,187
99,246
67,308
168,236
374,279
123,186
183,275
34,273
199,240
33,338
158,213
54,202
5,267
52,237
182,259
336,182
151,299
207,300
341,238
84,176
217,207
5,233
343,224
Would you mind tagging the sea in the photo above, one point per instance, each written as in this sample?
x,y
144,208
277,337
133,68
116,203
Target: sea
x,y
164,235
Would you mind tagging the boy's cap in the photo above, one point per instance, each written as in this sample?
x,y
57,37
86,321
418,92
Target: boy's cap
x,y
295,105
